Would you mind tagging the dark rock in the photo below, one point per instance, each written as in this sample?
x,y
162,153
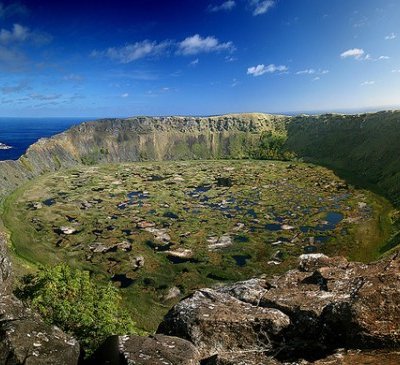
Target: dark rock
x,y
309,313
224,182
155,350
216,322
171,215
26,339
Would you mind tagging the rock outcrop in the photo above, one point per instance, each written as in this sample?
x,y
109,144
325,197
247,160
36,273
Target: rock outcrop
x,y
24,338
305,314
155,350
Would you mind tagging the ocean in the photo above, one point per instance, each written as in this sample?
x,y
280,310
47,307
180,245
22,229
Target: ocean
x,y
20,133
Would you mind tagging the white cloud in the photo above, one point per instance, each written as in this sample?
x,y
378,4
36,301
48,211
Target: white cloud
x,y
44,97
21,86
261,6
262,69
189,46
230,59
368,83
19,33
225,6
194,62
391,36
356,53
360,22
396,71
383,58
11,59
196,44
316,78
312,71
309,71
135,51
124,95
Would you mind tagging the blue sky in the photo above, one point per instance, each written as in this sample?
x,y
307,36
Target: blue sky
x,y
194,57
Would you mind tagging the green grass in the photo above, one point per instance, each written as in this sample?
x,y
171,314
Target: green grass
x,y
295,194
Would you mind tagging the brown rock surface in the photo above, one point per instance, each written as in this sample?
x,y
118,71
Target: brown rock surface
x,y
155,350
327,304
216,322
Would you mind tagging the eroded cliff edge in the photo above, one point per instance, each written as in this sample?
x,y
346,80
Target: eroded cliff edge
x,y
361,147
141,139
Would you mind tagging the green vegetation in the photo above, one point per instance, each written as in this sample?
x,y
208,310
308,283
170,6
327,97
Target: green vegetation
x,y
272,147
159,230
361,148
71,300
93,157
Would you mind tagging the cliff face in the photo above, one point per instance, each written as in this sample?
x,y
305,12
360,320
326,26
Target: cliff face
x,y
140,139
361,147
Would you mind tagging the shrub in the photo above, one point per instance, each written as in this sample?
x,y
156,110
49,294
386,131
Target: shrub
x,y
69,299
272,147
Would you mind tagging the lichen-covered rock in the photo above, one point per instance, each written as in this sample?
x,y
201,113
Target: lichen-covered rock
x,y
327,304
216,322
155,350
26,339
241,358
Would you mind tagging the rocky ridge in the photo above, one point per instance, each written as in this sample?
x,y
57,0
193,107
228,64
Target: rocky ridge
x,y
328,311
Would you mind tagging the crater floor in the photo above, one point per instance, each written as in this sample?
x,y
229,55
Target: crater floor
x,y
159,230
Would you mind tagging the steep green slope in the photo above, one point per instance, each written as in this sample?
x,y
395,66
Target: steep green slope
x,y
364,148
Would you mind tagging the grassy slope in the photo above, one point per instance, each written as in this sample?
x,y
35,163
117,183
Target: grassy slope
x,y
364,148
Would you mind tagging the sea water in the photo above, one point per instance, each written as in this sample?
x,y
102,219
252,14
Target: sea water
x,y
20,133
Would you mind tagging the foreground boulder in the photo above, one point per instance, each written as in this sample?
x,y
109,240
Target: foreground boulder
x,y
156,350
26,339
217,322
308,313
